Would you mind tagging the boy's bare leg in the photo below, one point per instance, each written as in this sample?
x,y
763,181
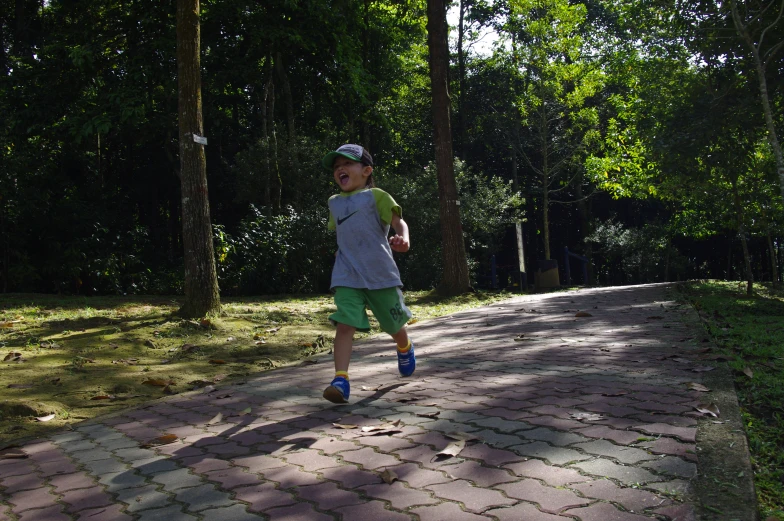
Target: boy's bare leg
x,y
400,338
344,339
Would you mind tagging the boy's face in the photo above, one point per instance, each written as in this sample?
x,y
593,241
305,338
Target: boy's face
x,y
350,175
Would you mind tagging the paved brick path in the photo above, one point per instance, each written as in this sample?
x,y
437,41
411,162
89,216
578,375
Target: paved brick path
x,y
585,418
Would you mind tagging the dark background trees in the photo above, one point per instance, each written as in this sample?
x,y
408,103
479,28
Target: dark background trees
x,y
655,114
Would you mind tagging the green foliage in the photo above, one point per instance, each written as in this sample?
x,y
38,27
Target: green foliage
x,y
636,99
276,254
488,206
632,255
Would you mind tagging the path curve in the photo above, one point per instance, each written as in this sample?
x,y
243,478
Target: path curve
x,y
583,417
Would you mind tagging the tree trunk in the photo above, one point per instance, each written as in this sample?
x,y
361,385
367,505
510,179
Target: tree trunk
x,y
461,82
546,215
585,226
774,270
268,112
455,279
545,184
769,122
201,282
729,258
742,234
667,261
760,66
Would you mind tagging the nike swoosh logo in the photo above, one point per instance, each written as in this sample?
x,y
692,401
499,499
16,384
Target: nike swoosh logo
x,y
341,221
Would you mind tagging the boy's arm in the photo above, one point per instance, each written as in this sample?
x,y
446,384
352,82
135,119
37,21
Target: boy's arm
x,y
399,241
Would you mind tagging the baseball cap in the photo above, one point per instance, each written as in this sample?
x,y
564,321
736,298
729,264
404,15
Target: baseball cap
x,y
349,151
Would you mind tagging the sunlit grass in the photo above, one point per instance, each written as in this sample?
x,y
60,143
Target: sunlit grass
x,y
74,349
750,332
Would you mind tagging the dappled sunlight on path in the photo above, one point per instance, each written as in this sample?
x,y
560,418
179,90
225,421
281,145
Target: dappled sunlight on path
x,y
566,404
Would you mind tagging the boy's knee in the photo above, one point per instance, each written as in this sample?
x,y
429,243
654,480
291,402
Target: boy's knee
x,y
345,329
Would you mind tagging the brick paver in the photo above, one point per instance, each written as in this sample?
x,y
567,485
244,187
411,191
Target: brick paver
x,y
585,417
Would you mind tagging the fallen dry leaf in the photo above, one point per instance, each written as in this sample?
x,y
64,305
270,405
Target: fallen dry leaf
x,y
244,412
708,408
222,396
698,387
748,372
187,348
11,356
9,323
12,453
155,382
345,426
587,416
48,417
459,435
583,314
388,476
165,439
451,450
383,429
129,361
431,415
217,362
273,330
216,419
702,369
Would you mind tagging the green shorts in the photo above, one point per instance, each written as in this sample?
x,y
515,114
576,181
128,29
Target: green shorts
x,y
386,304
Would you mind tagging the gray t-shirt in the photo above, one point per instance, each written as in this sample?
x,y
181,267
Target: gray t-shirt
x,y
361,220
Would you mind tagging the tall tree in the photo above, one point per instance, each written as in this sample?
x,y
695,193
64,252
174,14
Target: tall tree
x,y
754,23
560,80
455,279
201,282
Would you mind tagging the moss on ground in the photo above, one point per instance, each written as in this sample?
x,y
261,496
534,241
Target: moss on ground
x,y
80,357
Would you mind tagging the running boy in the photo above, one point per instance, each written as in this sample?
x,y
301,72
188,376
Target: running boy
x,y
365,274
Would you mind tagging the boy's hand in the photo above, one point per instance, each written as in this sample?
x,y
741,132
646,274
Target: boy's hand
x,y
399,243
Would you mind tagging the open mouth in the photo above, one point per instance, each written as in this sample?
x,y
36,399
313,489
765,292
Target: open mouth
x,y
343,178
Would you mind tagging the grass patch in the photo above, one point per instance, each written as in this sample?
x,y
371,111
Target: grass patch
x,y
79,357
750,333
